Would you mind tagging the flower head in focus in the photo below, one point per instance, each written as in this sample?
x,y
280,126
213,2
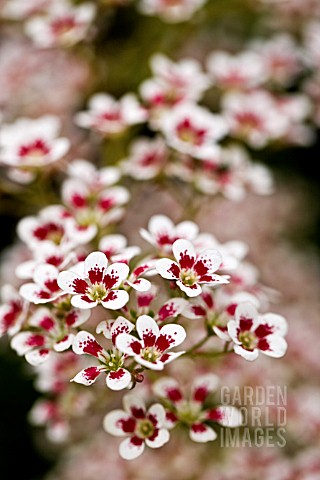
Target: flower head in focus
x,y
96,283
252,333
190,270
141,426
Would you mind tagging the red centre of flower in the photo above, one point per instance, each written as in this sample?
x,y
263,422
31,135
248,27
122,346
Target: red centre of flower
x,y
111,116
250,120
187,132
62,25
49,231
36,148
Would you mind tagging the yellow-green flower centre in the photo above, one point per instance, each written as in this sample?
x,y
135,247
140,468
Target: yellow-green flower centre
x,y
144,428
189,412
248,339
151,354
188,277
97,292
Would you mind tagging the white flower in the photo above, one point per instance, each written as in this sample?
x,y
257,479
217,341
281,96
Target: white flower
x,y
151,350
252,333
141,426
109,116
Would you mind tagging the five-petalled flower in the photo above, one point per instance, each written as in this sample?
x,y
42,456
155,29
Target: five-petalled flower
x,y
98,283
151,350
252,333
191,410
111,361
191,269
140,425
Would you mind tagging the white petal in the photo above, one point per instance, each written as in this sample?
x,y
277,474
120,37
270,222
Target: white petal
x,y
158,365
170,356
231,416
78,302
164,386
113,242
160,225
70,282
184,252
246,354
147,329
193,291
112,422
246,311
128,344
172,308
277,346
233,331
202,433
118,380
64,344
158,413
45,273
118,270
134,405
37,356
95,265
76,317
87,376
23,342
141,285
172,333
210,259
162,438
34,294
277,323
187,230
129,451
203,386
104,327
121,325
42,318
118,300
85,343
168,269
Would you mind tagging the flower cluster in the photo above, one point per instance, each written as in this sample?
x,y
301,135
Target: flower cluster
x,y
75,295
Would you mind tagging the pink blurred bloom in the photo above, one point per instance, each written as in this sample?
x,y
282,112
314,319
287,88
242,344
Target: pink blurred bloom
x,y
162,232
146,158
192,410
193,130
254,117
12,311
62,25
172,11
47,333
236,72
109,116
31,144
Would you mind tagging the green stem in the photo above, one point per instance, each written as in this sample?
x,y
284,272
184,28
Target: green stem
x,y
212,354
197,345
